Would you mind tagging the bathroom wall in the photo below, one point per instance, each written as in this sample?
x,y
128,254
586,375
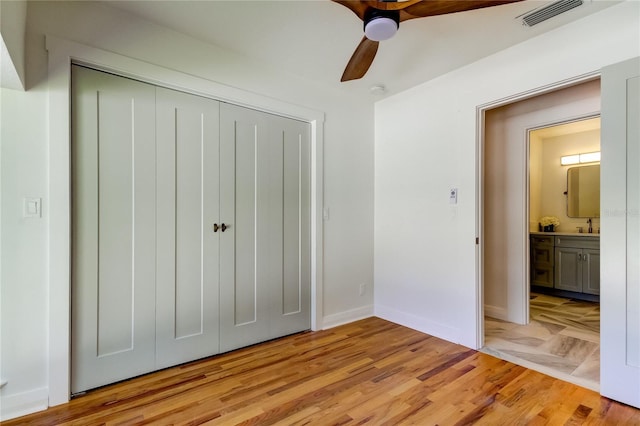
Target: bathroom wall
x,y
549,199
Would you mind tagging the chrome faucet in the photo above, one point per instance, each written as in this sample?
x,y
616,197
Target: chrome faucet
x,y
590,227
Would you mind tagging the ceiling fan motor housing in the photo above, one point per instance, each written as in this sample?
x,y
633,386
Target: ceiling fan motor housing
x,y
381,24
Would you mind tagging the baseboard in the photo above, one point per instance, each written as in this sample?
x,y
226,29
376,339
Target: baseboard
x,y
346,317
496,312
421,324
21,404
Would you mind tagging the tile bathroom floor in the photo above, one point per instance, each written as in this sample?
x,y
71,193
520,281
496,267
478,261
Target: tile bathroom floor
x,y
561,340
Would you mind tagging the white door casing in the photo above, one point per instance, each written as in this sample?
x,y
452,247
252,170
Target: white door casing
x,y
620,236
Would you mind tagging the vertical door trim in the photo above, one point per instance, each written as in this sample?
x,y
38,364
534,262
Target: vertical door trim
x,y
61,54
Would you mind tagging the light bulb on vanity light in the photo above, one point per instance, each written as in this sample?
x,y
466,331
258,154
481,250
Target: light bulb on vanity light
x,y
585,157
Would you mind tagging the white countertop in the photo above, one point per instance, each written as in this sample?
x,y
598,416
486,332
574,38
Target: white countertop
x,y
569,234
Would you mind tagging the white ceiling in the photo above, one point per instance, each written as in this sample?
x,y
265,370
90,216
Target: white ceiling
x,y
315,38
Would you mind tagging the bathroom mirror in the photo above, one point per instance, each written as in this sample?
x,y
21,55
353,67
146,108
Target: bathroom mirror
x,y
583,191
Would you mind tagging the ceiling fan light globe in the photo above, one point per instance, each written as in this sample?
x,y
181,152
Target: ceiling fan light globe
x,y
380,28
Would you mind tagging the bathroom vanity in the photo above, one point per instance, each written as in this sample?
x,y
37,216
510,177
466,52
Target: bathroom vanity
x,y
567,264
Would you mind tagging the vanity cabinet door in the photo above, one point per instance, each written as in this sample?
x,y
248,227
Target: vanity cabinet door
x,y
542,261
568,269
542,255
542,276
591,271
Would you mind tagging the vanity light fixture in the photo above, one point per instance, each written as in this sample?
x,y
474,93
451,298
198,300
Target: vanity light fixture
x,y
590,157
587,157
570,159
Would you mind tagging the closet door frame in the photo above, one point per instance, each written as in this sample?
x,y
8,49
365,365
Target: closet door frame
x,y
62,54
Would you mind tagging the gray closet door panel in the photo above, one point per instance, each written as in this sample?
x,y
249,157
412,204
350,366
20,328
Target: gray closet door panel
x,y
188,248
243,205
245,223
290,226
265,273
113,243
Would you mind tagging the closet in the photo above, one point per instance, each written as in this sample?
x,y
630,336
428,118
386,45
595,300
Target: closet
x,y
190,227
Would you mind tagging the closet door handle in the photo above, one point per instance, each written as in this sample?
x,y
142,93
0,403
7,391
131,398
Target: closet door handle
x,y
215,227
579,257
223,227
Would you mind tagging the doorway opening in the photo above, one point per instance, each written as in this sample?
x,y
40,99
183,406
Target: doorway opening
x,y
562,336
542,327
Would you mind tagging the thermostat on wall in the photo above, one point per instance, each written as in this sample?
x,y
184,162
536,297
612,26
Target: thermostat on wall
x,y
453,196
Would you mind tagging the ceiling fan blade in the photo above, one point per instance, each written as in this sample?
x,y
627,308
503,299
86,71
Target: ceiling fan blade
x,y
360,60
441,7
391,5
360,6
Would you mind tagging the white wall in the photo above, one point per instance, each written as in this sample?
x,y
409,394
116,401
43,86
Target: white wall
x,y
348,176
535,180
13,18
554,177
23,291
425,256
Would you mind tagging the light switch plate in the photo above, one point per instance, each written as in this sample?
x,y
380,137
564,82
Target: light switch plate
x,y
32,207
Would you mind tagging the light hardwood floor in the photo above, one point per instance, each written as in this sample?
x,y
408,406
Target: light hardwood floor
x,y
367,372
562,339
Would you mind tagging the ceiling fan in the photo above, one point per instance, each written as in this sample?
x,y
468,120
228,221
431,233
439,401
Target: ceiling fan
x,y
382,19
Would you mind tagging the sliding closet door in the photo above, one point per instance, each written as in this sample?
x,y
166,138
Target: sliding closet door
x,y
289,226
188,208
265,251
113,241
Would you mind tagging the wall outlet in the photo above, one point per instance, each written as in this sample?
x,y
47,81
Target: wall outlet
x,y
363,288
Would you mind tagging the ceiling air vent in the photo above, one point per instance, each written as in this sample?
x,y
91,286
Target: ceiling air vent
x,y
549,11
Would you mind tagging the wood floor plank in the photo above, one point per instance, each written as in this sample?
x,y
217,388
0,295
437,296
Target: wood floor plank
x,y
369,372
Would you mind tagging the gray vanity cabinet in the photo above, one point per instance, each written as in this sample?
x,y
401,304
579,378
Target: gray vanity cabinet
x,y
569,271
542,259
577,264
591,271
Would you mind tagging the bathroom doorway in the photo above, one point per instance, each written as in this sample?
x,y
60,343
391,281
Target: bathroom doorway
x,y
524,325
562,337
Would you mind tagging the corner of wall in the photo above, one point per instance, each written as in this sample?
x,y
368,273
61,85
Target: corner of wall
x,y
496,312
422,324
346,317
